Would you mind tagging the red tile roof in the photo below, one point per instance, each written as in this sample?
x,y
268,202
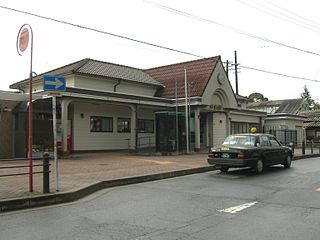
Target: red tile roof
x,y
198,75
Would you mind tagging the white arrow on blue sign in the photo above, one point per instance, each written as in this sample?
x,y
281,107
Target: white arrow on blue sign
x,y
54,83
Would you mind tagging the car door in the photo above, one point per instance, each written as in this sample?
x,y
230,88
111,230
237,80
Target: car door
x,y
267,150
279,153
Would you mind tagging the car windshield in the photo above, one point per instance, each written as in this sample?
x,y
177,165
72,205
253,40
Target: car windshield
x,y
245,140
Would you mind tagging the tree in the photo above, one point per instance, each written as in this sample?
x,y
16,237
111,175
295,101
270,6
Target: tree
x,y
258,97
316,106
308,102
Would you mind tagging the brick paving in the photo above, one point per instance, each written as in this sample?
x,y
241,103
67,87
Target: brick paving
x,y
80,170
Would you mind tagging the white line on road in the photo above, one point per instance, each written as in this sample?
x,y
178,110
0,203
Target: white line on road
x,y
237,208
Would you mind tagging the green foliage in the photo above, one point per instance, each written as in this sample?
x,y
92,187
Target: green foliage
x,y
316,106
308,102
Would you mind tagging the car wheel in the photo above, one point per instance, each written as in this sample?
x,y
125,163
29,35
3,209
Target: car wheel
x,y
287,162
224,169
259,166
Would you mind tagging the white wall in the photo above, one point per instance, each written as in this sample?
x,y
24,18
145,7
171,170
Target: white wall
x,y
276,124
209,96
290,124
244,118
107,84
83,139
219,128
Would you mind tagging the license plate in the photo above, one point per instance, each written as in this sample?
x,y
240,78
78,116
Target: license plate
x,y
225,155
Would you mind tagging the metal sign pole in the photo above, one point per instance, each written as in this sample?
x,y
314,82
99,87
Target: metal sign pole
x,y
55,84
186,111
22,45
54,116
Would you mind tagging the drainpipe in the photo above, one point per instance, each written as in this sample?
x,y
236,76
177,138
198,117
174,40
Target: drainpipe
x,y
115,86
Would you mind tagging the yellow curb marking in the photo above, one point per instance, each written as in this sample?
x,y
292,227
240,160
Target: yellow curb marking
x,y
152,161
159,162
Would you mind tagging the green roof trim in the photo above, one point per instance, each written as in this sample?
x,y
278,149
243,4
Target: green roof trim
x,y
170,113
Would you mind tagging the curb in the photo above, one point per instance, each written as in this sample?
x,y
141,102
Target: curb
x,y
58,198
306,156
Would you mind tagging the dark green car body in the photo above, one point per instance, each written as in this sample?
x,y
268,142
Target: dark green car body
x,y
250,150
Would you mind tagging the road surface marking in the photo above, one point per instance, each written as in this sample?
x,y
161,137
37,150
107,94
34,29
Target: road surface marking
x,y
152,161
238,208
159,162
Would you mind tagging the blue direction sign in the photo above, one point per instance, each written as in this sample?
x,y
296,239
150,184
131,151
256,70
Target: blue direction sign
x,y
54,83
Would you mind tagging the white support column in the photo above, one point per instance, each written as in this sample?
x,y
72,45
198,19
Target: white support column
x,y
64,125
133,134
197,129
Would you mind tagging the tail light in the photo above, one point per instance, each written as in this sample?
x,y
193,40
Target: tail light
x,y
213,154
240,155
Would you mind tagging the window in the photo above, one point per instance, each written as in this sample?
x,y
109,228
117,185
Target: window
x,y
101,124
274,142
145,126
237,140
242,127
264,141
123,125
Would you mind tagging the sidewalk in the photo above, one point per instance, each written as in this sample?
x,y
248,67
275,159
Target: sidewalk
x,y
87,170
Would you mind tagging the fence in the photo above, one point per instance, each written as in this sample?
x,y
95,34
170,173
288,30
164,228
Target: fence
x,y
15,167
285,136
143,143
308,147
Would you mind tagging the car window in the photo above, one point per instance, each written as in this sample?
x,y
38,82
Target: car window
x,y
274,142
264,141
246,140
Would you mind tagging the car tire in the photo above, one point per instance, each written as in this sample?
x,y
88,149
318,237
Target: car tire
x,y
224,169
259,166
287,162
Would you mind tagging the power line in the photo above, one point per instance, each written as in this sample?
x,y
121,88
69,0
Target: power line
x,y
102,31
201,19
280,15
150,44
280,74
304,19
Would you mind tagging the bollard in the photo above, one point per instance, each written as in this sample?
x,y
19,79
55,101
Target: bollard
x,y
311,146
46,173
303,147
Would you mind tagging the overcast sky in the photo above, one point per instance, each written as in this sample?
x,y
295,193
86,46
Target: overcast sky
x,y
209,28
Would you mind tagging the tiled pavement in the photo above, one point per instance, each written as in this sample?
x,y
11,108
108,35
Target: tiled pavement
x,y
81,170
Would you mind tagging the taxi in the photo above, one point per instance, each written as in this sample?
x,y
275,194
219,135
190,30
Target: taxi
x,y
255,150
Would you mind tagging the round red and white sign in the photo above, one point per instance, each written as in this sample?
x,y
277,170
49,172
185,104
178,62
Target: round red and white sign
x,y
23,39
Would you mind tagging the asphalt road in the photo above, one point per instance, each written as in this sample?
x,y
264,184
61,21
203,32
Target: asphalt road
x,y
277,204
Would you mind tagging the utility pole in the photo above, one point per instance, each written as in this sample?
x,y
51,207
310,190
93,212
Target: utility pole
x,y
236,71
227,69
186,107
177,117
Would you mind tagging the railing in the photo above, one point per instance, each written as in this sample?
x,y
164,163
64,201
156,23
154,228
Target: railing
x,y
143,142
45,169
148,141
306,147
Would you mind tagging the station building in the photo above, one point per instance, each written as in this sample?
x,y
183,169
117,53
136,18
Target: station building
x,y
107,106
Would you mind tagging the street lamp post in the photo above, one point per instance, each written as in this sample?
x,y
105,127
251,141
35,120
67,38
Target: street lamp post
x,y
22,44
